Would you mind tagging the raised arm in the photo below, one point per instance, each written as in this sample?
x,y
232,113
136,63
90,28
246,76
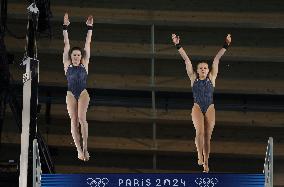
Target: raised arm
x,y
188,64
66,23
214,70
87,47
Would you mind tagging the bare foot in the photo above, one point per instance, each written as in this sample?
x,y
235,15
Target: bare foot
x,y
205,167
80,155
86,155
200,160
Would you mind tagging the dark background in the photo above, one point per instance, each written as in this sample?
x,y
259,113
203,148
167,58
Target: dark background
x,y
249,94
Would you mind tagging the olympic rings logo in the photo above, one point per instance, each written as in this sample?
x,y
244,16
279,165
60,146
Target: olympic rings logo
x,y
97,182
206,182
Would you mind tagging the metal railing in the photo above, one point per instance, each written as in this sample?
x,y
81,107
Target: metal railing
x,y
268,164
36,165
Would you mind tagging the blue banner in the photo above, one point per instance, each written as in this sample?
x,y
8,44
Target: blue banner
x,y
153,180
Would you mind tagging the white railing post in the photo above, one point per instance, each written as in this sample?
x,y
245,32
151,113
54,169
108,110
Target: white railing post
x,y
36,165
25,125
268,164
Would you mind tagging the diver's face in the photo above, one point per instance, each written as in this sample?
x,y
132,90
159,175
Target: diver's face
x,y
202,70
76,57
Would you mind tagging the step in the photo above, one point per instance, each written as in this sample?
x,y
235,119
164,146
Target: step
x,y
137,137
170,138
170,146
242,37
143,159
170,116
181,5
129,114
145,17
163,51
162,83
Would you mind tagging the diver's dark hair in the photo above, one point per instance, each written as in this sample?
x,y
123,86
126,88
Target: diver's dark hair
x,y
76,48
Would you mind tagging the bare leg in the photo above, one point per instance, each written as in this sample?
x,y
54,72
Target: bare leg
x,y
83,104
72,109
208,129
198,121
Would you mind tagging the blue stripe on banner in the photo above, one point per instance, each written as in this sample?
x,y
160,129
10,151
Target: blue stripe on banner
x,y
153,180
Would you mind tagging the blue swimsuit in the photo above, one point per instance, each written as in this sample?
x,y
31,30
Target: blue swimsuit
x,y
77,79
203,93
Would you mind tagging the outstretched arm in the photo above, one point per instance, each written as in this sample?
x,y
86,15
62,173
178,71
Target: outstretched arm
x,y
188,64
87,47
218,56
66,23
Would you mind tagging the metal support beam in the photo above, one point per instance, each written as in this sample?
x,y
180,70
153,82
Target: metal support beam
x,y
30,101
268,164
36,165
24,161
153,95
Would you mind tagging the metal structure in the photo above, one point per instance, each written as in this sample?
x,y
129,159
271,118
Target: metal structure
x,y
36,165
30,100
268,164
154,147
32,143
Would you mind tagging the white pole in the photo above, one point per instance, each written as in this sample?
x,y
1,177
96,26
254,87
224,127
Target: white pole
x,y
25,125
36,165
271,161
24,157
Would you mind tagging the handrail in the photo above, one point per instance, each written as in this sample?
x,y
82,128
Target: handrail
x,y
268,164
36,165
